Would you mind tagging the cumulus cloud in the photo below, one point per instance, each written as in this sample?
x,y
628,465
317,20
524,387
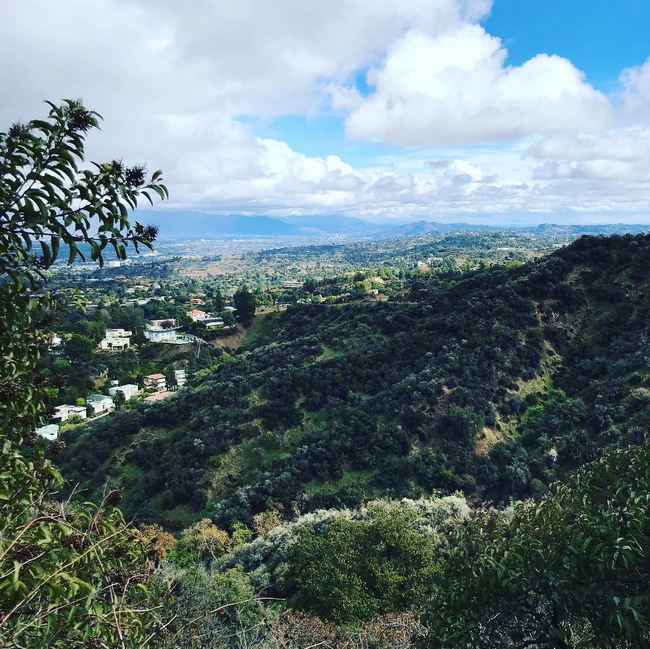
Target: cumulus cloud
x,y
173,79
620,155
635,94
179,85
456,88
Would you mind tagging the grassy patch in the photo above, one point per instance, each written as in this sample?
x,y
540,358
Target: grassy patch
x,y
350,479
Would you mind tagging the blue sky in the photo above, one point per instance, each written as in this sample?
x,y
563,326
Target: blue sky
x,y
600,37
379,109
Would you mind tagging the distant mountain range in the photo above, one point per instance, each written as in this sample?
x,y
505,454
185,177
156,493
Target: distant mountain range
x,y
197,225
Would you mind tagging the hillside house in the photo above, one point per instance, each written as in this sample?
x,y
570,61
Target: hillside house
x,y
99,404
161,331
214,323
158,396
67,411
116,340
155,382
196,315
51,431
181,377
164,323
128,390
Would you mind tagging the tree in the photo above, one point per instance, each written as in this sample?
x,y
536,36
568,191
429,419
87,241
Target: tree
x,y
68,574
244,304
228,319
218,303
118,399
571,570
79,349
359,569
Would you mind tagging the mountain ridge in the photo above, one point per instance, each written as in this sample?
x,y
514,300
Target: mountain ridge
x,y
190,224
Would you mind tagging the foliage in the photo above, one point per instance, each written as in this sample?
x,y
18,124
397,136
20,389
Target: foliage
x,y
571,570
496,382
212,610
358,570
245,305
71,575
201,542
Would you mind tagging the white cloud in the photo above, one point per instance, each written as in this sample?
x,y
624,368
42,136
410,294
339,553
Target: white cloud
x,y
636,91
456,88
175,80
171,80
619,155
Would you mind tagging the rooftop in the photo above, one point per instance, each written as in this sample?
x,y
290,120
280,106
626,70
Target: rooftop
x,y
158,396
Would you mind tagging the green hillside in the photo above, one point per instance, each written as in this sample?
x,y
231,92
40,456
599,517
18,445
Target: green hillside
x,y
494,383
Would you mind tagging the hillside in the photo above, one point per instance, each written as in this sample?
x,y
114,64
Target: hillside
x,y
494,383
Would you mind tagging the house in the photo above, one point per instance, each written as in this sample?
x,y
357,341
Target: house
x,y
155,382
128,390
181,377
98,404
118,333
161,335
55,341
197,300
158,396
213,323
67,411
51,431
230,308
116,340
164,323
161,331
196,315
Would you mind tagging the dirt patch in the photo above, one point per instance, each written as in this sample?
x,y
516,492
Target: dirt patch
x,y
233,341
485,441
237,338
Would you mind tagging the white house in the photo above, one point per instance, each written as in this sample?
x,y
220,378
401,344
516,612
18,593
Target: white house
x,y
181,377
161,331
116,340
66,411
100,403
128,390
51,431
214,323
161,335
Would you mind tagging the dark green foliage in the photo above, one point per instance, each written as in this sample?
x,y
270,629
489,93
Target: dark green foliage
x,y
357,570
70,575
569,571
496,382
245,305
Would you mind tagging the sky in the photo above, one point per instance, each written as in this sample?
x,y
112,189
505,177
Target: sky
x,y
486,111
